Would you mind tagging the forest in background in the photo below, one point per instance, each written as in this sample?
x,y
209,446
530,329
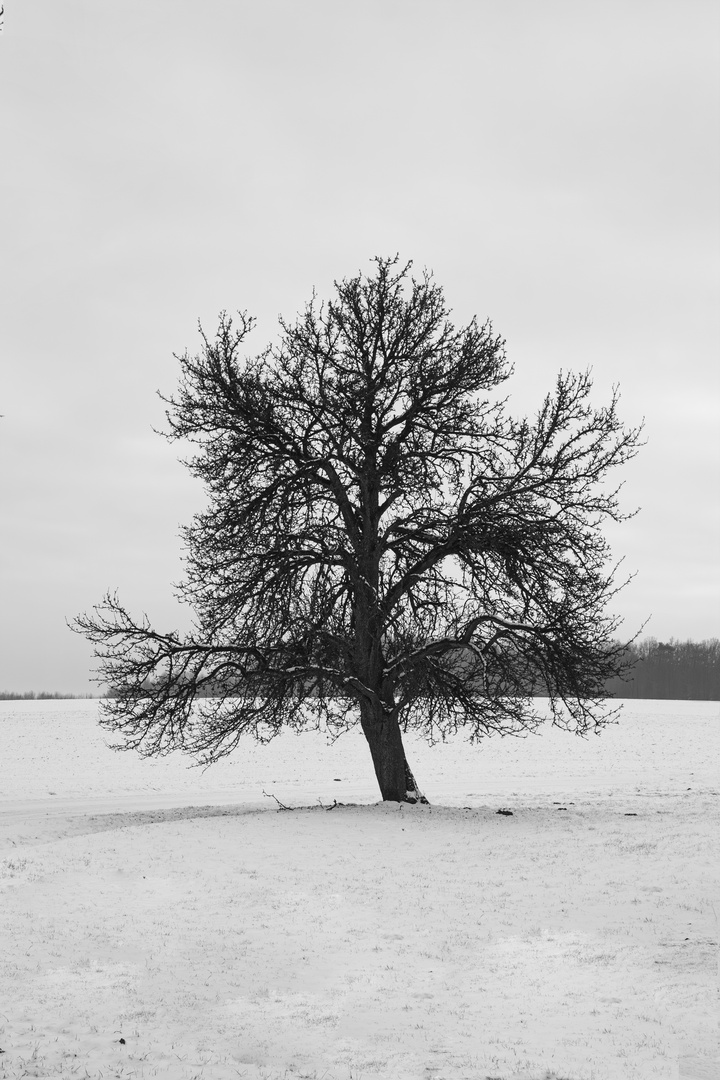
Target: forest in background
x,y
677,670
43,695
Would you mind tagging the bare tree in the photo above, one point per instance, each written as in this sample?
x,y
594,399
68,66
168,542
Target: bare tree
x,y
382,543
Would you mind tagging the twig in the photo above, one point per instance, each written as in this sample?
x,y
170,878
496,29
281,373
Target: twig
x,y
281,806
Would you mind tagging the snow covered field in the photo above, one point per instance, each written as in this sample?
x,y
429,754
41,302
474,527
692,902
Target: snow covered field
x,y
157,921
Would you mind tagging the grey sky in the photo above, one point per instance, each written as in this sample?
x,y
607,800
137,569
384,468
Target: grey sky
x,y
555,164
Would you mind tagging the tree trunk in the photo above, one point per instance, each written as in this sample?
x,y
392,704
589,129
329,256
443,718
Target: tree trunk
x,y
394,776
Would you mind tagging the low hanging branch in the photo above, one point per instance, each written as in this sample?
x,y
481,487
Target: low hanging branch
x,y
384,544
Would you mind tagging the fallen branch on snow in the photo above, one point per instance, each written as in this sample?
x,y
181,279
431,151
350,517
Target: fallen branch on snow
x,y
281,806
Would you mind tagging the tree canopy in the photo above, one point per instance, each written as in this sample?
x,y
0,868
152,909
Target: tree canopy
x,y
383,542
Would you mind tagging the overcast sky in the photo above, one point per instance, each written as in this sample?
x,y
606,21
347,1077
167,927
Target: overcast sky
x,y
555,164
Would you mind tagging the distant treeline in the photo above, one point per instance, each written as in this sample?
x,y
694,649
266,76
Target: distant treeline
x,y
682,670
30,695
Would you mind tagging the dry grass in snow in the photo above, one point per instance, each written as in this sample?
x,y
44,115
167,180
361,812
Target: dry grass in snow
x,y
575,938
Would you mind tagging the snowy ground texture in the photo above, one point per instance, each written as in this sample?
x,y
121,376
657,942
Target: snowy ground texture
x,y
160,922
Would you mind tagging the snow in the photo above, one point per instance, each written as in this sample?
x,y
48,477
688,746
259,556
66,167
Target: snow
x,y
219,937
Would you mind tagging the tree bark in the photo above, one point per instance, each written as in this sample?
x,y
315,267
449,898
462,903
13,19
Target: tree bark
x,y
394,775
